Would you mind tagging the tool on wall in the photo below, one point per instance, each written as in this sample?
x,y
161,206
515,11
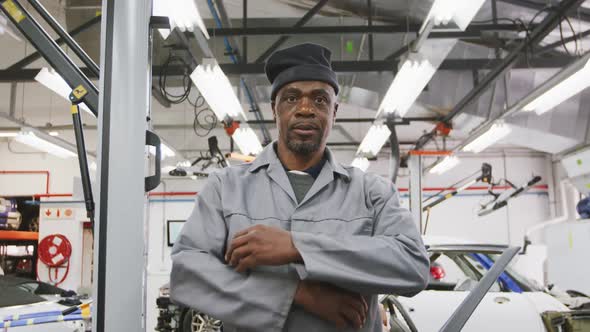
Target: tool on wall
x,y
55,251
501,200
484,175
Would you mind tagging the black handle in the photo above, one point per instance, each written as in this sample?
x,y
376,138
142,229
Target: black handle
x,y
151,182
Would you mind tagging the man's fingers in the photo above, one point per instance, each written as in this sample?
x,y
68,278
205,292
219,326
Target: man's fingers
x,y
246,263
352,316
234,244
364,301
358,306
341,322
242,232
238,254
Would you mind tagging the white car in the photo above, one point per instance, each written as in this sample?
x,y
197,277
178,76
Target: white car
x,y
514,303
32,306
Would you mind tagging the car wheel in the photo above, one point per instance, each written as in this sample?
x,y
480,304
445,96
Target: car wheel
x,y
195,321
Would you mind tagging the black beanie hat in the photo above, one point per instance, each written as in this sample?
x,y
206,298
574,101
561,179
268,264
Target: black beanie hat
x,y
303,62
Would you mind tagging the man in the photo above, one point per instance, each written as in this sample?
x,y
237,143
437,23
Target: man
x,y
294,241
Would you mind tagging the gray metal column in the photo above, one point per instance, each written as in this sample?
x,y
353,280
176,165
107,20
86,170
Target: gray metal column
x,y
415,167
119,251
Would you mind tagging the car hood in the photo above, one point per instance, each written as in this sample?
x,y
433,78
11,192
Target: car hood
x,y
498,311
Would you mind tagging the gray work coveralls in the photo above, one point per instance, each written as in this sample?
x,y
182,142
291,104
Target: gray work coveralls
x,y
349,229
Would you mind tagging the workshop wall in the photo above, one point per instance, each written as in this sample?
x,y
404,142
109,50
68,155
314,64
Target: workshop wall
x,y
61,171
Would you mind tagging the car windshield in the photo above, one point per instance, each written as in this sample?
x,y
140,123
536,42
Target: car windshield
x,y
462,270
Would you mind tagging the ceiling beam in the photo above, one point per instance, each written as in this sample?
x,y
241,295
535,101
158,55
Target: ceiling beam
x,y
297,25
59,41
548,23
28,75
473,31
583,13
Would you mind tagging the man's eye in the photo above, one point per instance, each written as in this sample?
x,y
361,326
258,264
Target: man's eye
x,y
320,100
291,99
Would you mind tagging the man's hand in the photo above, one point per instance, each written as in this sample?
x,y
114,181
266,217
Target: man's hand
x,y
261,245
341,307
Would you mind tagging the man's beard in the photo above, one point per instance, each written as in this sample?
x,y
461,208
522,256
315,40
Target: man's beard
x,y
304,147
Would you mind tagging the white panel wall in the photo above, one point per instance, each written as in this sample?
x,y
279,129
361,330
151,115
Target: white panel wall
x,y
62,171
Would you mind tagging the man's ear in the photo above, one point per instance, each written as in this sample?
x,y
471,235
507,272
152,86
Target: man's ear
x,y
335,112
274,112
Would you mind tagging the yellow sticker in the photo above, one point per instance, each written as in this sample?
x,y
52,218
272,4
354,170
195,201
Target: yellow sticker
x,y
30,321
98,13
448,195
79,92
13,11
588,185
74,109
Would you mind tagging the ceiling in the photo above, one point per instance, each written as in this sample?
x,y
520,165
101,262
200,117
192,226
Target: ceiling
x,y
563,128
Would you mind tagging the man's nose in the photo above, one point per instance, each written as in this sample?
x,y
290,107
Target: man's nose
x,y
305,107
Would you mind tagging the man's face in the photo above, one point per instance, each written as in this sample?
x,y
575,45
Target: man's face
x,y
305,112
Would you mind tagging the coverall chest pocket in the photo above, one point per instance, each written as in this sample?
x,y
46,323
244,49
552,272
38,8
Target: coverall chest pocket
x,y
336,225
238,221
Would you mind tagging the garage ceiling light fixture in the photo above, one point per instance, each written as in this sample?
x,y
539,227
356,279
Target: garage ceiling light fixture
x,y
183,14
461,12
40,141
374,140
247,141
559,88
415,72
492,135
444,165
54,82
217,90
361,162
8,134
412,77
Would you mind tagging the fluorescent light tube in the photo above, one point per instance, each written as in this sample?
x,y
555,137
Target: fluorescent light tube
x,y
444,165
37,142
217,90
361,162
374,140
54,82
495,133
459,11
247,141
166,151
53,133
559,88
415,71
8,134
183,14
412,77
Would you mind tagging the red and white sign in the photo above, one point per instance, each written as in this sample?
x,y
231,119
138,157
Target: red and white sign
x,y
58,213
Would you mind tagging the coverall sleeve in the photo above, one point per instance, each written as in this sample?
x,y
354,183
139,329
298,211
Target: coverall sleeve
x,y
257,301
391,261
